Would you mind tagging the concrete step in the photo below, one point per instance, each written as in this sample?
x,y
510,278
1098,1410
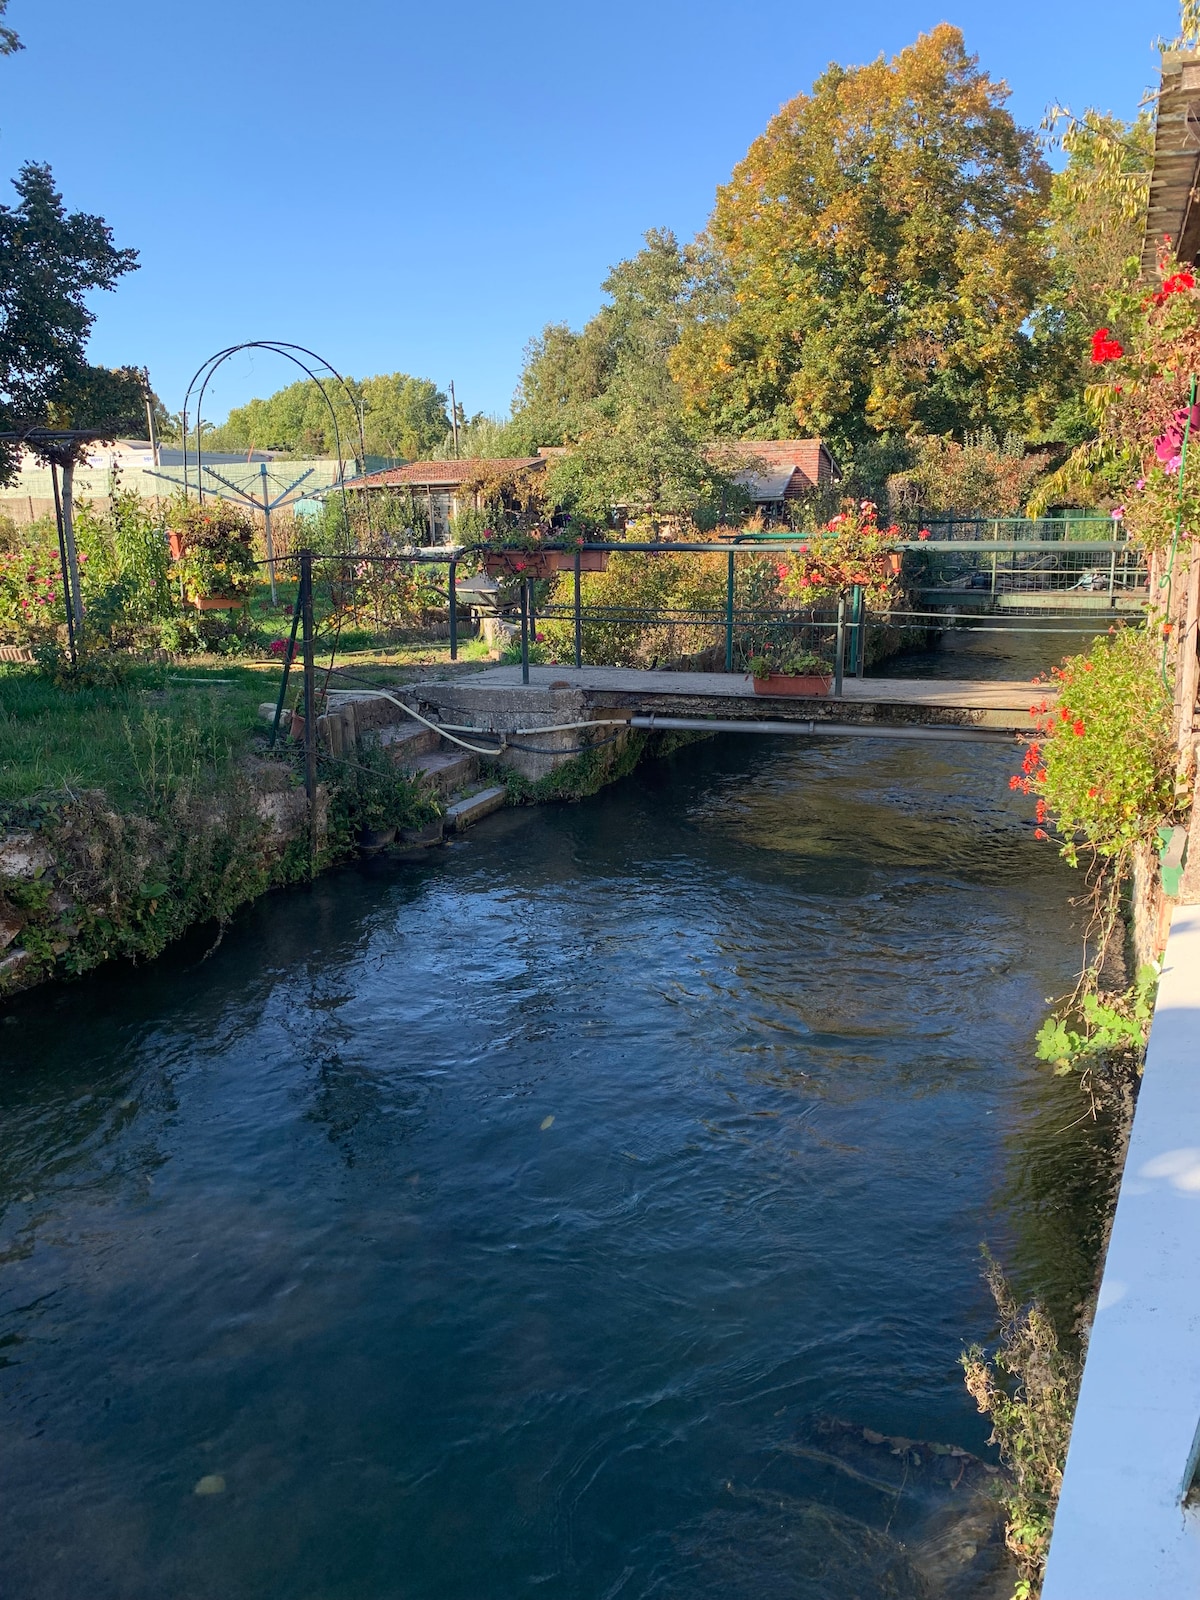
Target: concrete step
x,y
446,770
462,813
409,740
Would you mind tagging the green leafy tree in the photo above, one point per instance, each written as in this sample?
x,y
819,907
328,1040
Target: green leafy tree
x,y
873,261
49,260
1097,213
402,417
623,349
608,393
9,43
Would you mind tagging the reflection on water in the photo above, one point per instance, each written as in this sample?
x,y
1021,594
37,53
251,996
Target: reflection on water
x,y
295,1216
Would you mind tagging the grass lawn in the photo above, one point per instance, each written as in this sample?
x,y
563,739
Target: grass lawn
x,y
161,723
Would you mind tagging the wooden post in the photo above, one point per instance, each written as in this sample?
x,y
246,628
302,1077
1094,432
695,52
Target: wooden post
x,y
68,605
68,519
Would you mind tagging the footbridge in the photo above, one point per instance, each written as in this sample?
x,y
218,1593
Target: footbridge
x,y
574,701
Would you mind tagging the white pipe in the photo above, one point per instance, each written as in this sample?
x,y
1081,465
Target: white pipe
x,y
864,730
449,729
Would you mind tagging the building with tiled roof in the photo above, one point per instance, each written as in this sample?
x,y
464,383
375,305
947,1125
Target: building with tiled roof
x,y
438,484
782,470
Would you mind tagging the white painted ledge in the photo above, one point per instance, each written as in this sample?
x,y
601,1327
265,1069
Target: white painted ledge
x,y
1122,1531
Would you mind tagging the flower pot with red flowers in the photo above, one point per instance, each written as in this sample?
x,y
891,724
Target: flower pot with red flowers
x,y
802,674
520,563
851,550
212,549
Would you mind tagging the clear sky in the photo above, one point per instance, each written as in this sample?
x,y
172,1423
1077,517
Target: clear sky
x,y
420,188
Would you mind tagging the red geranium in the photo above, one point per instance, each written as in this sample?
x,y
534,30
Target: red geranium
x,y
1105,347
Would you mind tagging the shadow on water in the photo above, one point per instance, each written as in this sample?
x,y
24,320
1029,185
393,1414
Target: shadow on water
x,y
593,1209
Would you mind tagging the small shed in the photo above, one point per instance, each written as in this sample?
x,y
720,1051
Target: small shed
x,y
439,484
783,470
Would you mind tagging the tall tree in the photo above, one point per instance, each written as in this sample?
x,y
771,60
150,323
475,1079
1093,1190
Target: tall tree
x,y
9,43
1097,213
49,260
873,261
402,416
624,348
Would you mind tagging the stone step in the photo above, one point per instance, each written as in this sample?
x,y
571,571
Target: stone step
x,y
464,812
446,770
411,739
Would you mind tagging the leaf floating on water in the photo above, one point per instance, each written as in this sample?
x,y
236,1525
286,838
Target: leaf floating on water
x,y
210,1483
547,1122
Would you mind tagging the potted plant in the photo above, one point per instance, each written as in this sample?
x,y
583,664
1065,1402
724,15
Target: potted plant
x,y
212,550
851,549
802,673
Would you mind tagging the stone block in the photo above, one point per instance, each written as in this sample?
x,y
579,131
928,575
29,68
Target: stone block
x,y
23,855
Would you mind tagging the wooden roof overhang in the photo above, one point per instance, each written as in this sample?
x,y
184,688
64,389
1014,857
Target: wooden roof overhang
x,y
1174,203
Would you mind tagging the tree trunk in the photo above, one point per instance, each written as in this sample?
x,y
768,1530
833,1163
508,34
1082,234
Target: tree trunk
x,y
68,509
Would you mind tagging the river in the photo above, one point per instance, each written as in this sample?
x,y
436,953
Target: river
x,y
552,1217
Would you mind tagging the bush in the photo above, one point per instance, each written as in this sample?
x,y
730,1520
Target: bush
x,y
1103,761
217,548
1028,1387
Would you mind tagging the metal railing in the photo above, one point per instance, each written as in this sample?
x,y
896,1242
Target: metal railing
x,y
731,633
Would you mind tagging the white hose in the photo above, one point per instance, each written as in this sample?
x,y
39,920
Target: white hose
x,y
444,728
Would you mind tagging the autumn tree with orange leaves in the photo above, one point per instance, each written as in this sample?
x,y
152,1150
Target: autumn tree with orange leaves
x,y
872,265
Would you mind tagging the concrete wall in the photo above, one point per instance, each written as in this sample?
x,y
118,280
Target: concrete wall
x,y
1123,1530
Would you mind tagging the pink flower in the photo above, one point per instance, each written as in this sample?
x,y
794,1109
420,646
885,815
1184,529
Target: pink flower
x,y
1117,513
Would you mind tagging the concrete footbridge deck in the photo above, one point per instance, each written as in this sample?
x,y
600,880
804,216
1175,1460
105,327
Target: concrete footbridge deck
x,y
727,701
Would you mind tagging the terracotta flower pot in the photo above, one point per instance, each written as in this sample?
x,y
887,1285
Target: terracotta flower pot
x,y
811,684
894,562
589,560
177,544
534,564
217,602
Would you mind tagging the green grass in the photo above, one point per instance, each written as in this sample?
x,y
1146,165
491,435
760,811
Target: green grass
x,y
158,723
163,723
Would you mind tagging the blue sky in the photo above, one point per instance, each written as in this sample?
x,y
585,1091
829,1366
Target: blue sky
x,y
410,187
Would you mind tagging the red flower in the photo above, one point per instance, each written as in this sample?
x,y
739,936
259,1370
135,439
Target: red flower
x,y
1040,833
1041,811
1105,348
1092,793
781,570
1064,713
922,533
1175,284
1014,782
1077,728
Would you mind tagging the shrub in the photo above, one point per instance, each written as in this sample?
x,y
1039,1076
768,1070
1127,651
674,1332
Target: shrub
x,y
217,556
1103,761
1028,1387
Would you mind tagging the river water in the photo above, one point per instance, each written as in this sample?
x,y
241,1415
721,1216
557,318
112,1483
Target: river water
x,y
593,1210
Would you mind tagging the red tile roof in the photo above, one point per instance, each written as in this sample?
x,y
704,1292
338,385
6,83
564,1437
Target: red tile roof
x,y
444,474
803,455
